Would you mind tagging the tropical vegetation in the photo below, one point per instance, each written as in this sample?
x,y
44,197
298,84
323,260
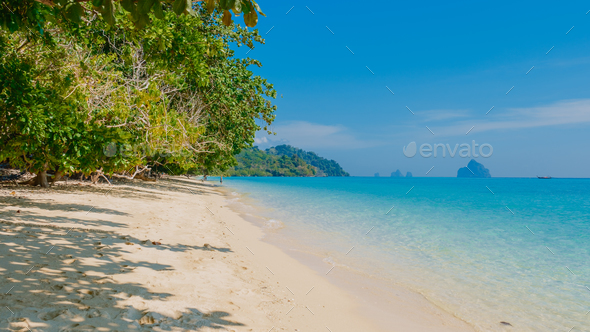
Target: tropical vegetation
x,y
283,160
323,166
143,87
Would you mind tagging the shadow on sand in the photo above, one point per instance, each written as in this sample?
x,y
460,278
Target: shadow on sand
x,y
61,279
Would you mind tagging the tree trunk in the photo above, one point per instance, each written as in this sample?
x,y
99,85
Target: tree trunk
x,y
42,179
56,177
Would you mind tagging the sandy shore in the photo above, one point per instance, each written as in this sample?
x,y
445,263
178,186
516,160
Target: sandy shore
x,y
167,256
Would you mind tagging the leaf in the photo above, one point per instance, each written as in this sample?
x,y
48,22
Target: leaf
x,y
189,6
97,3
134,13
179,6
258,8
133,16
144,19
145,6
246,8
108,14
127,5
238,7
210,6
74,12
227,18
109,18
13,23
158,10
251,19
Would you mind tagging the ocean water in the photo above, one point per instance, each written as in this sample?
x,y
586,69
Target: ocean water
x,y
486,250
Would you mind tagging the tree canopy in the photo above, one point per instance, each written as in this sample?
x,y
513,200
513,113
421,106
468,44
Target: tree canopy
x,y
36,14
254,162
283,160
91,97
324,166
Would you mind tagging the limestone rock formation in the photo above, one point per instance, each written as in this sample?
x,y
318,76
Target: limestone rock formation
x,y
473,170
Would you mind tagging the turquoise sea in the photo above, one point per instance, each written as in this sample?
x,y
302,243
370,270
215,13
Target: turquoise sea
x,y
487,250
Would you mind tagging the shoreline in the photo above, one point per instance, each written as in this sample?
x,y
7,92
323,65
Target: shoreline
x,y
385,303
165,256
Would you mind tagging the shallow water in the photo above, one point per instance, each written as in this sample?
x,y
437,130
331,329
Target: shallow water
x,y
486,250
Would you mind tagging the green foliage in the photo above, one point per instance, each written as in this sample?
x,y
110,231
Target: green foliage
x,y
254,162
42,119
284,160
171,96
324,166
33,15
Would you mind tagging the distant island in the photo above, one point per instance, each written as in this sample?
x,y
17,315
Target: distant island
x,y
398,174
284,160
473,170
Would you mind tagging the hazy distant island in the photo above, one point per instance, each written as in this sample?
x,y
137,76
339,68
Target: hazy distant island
x,y
473,170
284,160
398,174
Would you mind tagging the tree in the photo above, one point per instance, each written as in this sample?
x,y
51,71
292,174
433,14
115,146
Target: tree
x,y
96,98
43,118
35,14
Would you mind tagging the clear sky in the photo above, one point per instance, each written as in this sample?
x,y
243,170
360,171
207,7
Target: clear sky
x,y
449,63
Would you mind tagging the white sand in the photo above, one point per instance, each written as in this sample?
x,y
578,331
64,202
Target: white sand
x,y
76,258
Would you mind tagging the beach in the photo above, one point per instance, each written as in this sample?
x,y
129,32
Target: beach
x,y
252,165
169,256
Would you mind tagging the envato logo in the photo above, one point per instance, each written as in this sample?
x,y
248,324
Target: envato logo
x,y
465,150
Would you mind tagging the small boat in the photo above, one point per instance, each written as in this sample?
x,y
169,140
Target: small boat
x,y
543,177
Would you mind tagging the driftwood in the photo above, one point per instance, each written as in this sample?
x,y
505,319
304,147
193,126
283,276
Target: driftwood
x,y
138,174
95,176
44,179
144,178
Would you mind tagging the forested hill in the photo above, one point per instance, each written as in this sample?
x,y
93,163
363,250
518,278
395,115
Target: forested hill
x,y
284,160
324,166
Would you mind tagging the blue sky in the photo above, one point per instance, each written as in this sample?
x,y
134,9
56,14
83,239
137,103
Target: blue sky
x,y
449,63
